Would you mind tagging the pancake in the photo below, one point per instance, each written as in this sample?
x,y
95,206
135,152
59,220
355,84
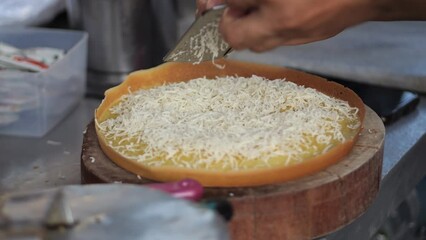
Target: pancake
x,y
244,125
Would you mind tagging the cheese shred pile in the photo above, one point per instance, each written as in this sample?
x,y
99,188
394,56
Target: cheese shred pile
x,y
228,123
207,42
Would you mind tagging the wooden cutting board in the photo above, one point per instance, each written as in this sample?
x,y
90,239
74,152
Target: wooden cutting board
x,y
306,208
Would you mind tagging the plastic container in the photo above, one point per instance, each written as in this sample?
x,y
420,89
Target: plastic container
x,y
31,104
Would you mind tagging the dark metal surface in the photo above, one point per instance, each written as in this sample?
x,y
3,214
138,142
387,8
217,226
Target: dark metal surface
x,y
396,186
391,54
54,160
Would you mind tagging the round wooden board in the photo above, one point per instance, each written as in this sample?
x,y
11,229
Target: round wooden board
x,y
306,208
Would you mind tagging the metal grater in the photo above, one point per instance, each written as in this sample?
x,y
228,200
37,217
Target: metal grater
x,y
182,51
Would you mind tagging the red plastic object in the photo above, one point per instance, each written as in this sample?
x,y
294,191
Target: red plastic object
x,y
187,189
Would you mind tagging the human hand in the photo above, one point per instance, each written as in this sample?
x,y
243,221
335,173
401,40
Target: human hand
x,y
260,25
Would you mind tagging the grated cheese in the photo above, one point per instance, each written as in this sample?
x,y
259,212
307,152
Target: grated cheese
x,y
207,42
229,123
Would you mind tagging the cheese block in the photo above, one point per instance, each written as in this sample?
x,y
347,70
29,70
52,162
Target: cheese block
x,y
242,125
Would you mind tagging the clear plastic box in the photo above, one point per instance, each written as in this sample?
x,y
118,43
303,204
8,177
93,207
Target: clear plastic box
x,y
31,104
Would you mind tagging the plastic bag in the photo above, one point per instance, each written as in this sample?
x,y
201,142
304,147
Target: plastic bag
x,y
29,12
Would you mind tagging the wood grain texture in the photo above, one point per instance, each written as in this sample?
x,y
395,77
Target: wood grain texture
x,y
301,209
